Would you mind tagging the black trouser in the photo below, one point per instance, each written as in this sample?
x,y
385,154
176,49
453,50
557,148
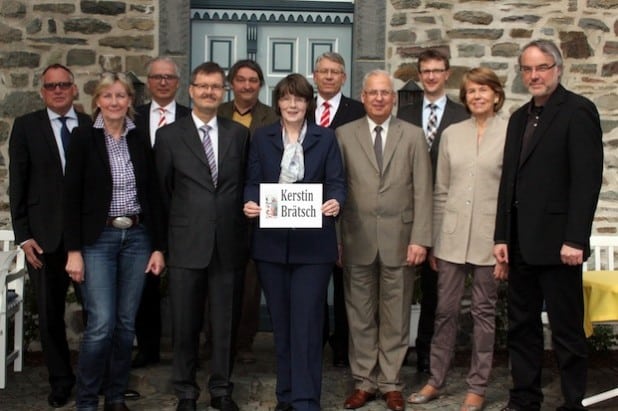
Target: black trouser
x,y
339,338
50,284
560,286
148,319
429,302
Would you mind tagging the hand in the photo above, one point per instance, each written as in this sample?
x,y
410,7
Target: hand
x,y
32,250
433,261
416,254
501,252
501,271
75,266
571,255
156,263
251,209
331,208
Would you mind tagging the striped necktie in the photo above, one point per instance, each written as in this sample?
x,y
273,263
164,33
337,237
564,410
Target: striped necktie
x,y
325,119
432,124
162,119
210,153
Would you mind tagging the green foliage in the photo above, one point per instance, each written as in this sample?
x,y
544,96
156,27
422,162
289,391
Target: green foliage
x,y
602,339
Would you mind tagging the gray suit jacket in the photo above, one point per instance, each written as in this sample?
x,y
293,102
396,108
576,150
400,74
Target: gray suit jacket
x,y
202,217
466,192
385,213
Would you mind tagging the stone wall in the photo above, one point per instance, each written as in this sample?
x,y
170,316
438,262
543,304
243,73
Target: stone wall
x,y
491,33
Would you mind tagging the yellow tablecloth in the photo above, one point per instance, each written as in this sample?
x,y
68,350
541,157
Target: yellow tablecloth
x,y
600,298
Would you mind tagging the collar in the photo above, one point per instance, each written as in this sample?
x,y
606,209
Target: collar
x,y
170,108
441,103
333,102
199,123
71,114
128,124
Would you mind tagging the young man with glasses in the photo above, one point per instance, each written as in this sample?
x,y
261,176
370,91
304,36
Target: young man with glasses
x,y
36,178
162,84
435,114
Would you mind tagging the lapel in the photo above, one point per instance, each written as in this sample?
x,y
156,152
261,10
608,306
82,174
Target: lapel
x,y
341,110
225,139
190,136
551,109
101,149
311,138
363,136
392,141
50,139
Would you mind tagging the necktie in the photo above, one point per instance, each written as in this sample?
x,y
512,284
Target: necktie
x,y
377,146
162,119
210,153
65,134
432,124
325,119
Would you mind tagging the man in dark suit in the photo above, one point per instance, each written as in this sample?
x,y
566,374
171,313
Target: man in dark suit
x,y
433,70
201,161
329,76
552,174
246,79
36,173
162,110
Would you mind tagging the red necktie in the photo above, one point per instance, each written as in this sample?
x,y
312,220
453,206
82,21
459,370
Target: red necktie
x,y
162,119
325,119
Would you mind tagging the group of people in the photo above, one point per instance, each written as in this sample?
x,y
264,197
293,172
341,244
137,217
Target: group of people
x,y
444,189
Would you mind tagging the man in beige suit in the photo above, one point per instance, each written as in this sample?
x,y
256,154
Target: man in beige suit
x,y
385,230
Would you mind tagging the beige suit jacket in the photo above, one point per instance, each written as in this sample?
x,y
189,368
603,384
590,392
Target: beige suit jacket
x,y
466,192
384,213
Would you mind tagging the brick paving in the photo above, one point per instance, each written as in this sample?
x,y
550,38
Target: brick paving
x,y
255,386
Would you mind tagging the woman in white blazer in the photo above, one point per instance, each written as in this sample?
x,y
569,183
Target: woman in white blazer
x,y
465,199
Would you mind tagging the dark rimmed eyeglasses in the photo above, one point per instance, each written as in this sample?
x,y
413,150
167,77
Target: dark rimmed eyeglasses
x,y
161,77
543,68
64,85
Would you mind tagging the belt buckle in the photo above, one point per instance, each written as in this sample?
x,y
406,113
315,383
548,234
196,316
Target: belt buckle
x,y
122,223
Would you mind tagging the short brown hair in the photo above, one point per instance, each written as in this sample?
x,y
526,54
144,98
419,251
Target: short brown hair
x,y
432,54
296,85
208,67
486,77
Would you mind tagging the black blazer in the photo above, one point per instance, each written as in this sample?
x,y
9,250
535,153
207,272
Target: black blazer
x,y
200,216
557,184
348,110
36,181
142,118
323,164
88,187
453,113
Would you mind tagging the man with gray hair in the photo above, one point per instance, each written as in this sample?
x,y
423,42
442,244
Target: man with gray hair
x,y
385,229
333,109
162,83
551,178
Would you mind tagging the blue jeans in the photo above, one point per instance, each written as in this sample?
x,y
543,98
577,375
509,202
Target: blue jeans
x,y
114,280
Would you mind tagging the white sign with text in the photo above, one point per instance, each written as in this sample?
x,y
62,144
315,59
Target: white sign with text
x,y
291,205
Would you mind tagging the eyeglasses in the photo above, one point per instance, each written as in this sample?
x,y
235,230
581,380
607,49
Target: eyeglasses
x,y
64,85
543,68
206,87
376,93
427,72
334,72
161,77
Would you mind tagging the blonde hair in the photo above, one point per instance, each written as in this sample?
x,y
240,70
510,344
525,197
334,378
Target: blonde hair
x,y
107,80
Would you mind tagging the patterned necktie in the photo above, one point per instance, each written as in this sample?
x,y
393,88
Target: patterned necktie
x,y
432,124
325,119
210,153
65,134
377,146
162,119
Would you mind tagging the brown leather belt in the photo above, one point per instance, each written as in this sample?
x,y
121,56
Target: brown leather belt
x,y
123,222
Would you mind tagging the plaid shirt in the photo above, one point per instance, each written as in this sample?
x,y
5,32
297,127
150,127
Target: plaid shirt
x,y
124,191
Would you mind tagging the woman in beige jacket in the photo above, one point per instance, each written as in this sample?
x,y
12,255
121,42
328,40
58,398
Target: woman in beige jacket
x,y
465,199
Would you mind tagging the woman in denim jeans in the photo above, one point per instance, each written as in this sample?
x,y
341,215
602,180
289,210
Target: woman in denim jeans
x,y
112,235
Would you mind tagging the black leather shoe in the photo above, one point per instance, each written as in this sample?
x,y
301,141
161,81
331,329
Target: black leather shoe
x,y
142,359
187,404
131,395
59,397
224,403
118,406
284,406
